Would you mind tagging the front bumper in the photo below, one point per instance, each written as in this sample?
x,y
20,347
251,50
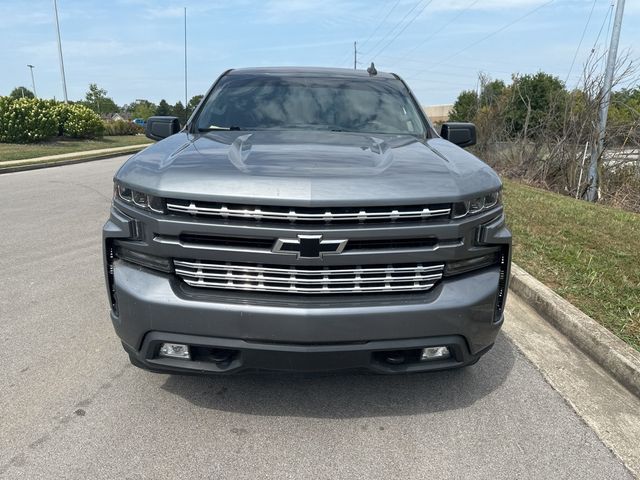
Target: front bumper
x,y
303,334
300,332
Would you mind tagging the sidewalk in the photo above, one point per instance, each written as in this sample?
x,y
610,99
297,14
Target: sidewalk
x,y
67,158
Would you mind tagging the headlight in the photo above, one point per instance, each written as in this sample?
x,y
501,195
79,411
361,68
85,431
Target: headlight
x,y
137,199
478,204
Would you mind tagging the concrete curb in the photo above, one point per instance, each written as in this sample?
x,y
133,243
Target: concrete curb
x,y
68,158
611,353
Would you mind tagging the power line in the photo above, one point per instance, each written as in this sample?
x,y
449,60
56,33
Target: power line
x,y
402,29
584,31
449,69
486,37
608,17
380,23
433,34
346,56
458,85
421,62
390,32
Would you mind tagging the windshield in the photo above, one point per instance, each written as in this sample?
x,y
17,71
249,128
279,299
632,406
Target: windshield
x,y
368,105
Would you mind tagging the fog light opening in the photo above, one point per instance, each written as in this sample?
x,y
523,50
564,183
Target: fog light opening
x,y
175,350
395,358
220,355
434,353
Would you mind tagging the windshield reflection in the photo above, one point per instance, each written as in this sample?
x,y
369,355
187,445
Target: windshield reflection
x,y
331,104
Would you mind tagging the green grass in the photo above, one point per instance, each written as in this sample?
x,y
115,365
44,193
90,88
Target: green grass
x,y
14,151
589,254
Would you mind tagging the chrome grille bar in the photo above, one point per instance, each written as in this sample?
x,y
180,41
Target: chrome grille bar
x,y
260,213
308,280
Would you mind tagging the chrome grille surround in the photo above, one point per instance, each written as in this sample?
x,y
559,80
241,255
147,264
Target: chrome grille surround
x,y
307,214
309,280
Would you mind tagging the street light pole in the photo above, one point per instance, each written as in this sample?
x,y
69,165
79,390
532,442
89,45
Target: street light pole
x,y
355,55
64,80
186,100
33,82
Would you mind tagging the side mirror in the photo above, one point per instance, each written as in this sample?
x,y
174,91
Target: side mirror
x,y
462,134
158,128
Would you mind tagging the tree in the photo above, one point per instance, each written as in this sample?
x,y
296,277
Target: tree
x,y
465,107
625,105
536,104
491,92
21,92
193,103
624,117
142,109
178,111
163,109
96,99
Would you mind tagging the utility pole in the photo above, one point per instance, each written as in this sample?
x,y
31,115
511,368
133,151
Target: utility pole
x,y
186,100
355,55
598,146
33,82
64,80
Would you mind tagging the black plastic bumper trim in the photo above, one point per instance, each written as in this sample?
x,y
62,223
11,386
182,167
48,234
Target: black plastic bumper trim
x,y
298,358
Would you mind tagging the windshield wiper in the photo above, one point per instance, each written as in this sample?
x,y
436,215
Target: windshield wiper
x,y
214,128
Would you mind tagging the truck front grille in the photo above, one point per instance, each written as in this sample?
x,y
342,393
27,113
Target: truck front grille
x,y
309,280
309,214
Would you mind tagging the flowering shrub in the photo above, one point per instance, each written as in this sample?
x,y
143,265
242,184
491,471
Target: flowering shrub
x,y
26,120
77,121
122,127
30,120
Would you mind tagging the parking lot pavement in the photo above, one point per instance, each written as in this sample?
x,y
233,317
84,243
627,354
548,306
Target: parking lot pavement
x,y
73,407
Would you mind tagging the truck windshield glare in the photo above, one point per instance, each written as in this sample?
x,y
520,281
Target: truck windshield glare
x,y
332,104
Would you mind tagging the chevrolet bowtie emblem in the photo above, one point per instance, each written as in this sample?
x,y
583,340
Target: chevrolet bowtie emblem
x,y
308,246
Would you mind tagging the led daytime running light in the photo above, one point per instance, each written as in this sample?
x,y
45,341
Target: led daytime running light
x,y
138,199
477,205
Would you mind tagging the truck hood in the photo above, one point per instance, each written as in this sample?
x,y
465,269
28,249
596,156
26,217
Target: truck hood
x,y
308,169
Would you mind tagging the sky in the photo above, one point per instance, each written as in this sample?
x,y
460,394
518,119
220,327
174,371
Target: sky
x,y
135,48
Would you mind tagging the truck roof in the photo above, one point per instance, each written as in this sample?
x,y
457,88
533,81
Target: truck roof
x,y
309,71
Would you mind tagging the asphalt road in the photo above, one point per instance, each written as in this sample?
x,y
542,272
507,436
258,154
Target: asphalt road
x,y
72,406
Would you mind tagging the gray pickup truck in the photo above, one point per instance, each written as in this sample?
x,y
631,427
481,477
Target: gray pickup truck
x,y
306,219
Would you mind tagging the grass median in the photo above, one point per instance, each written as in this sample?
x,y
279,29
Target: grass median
x,y
16,151
589,254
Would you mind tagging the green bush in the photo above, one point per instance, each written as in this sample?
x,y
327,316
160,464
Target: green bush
x,y
26,120
122,127
77,121
30,120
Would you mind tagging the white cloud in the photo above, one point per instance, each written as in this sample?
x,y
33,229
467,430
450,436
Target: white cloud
x,y
298,46
165,9
99,49
483,4
11,17
299,11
